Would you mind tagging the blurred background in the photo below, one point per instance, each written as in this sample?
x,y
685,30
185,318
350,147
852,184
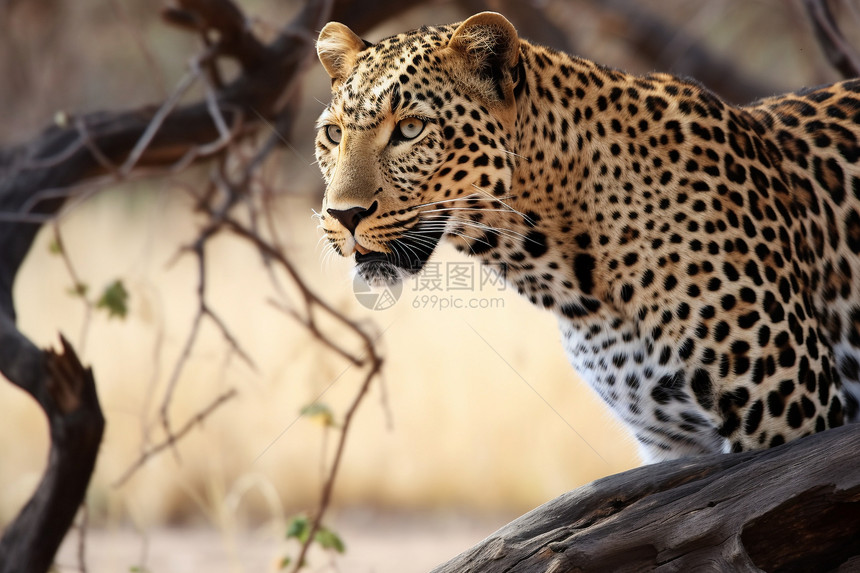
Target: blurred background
x,y
477,417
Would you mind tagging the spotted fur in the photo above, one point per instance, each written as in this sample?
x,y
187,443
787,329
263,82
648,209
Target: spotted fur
x,y
701,258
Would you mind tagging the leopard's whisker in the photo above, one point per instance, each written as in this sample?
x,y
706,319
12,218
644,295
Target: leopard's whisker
x,y
431,203
528,159
491,196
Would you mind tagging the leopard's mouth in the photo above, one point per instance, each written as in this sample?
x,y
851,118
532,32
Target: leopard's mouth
x,y
406,255
361,249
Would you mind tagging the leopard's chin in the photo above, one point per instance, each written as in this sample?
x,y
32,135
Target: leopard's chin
x,y
386,269
406,257
376,270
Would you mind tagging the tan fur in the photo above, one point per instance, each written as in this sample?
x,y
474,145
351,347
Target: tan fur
x,y
485,37
337,48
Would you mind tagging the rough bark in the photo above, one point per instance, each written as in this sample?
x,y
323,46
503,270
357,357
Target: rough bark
x,y
791,508
66,392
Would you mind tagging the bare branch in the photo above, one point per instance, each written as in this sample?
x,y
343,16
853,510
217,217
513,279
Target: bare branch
x,y
83,526
172,438
143,46
312,326
328,486
78,287
837,50
370,359
234,37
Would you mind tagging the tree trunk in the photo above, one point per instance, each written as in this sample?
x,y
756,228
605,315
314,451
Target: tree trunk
x,y
68,397
791,508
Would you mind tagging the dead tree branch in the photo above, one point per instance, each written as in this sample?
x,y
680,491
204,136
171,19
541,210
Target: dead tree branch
x,y
172,438
836,49
66,391
791,508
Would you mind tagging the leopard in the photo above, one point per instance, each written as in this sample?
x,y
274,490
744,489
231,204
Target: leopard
x,y
701,258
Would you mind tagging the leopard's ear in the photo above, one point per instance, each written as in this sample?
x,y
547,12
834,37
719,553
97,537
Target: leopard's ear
x,y
337,48
491,48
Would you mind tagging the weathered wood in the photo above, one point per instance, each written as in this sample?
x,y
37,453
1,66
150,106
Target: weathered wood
x,y
76,426
791,508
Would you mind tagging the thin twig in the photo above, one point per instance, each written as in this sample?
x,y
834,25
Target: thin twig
x,y
83,528
78,287
107,164
143,47
212,104
171,440
837,50
371,358
328,486
198,248
53,160
311,325
163,411
310,297
80,192
158,119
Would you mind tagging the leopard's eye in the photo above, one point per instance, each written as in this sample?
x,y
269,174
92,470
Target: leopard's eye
x,y
410,128
334,133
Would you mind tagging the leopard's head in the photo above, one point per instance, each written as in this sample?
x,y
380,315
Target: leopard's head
x,y
416,142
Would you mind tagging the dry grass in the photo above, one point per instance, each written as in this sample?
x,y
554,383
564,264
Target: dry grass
x,y
464,390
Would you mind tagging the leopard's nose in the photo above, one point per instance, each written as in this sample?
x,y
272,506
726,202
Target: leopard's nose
x,y
350,218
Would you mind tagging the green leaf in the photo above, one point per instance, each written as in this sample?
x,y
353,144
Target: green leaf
x,y
55,248
285,562
320,413
328,539
299,528
79,290
114,299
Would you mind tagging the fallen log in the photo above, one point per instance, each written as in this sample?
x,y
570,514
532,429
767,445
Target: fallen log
x,y
795,507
